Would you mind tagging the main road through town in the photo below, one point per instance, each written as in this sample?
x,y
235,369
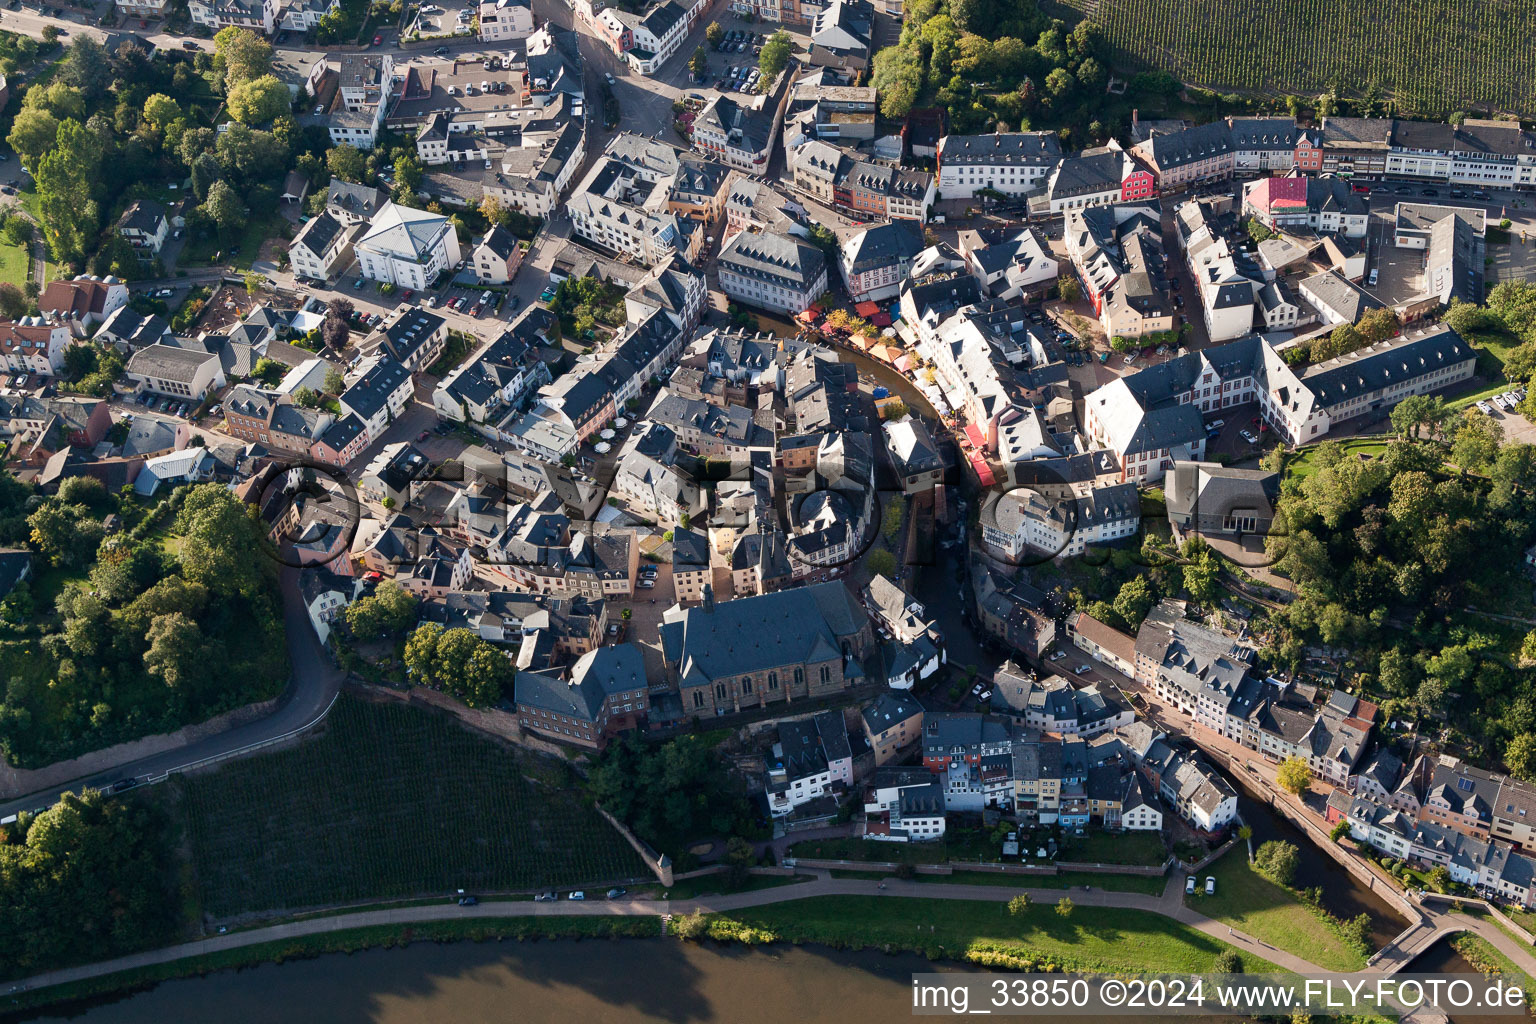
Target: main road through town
x,y
311,689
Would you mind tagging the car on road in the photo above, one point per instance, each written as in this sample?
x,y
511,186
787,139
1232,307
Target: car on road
x,y
1210,885
578,896
1058,655
468,901
423,435
357,285
1189,886
377,39
441,51
608,77
616,892
545,897
405,296
1249,436
1084,667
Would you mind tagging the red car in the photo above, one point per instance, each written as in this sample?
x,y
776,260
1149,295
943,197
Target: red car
x,y
373,577
377,40
423,435
406,295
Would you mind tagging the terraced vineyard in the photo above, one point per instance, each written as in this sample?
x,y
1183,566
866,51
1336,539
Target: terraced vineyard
x,y
1432,56
390,802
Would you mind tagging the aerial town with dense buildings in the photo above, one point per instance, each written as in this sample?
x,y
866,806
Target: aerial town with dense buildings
x,y
944,481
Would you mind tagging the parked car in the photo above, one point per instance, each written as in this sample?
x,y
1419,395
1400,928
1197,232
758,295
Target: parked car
x,y
468,901
1058,655
545,897
1485,408
578,895
1084,667
1189,886
377,39
1210,885
1249,436
616,892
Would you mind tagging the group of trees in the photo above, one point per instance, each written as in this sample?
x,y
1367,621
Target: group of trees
x,y
584,302
669,793
1386,553
85,880
774,58
107,122
989,61
390,609
456,661
1376,325
140,640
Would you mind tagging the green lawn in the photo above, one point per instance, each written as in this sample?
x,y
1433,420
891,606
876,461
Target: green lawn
x,y
1302,464
15,265
1493,348
199,251
1248,901
1091,939
390,801
1105,848
1065,880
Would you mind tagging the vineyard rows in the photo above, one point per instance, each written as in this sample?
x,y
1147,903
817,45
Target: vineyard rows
x,y
1432,56
390,801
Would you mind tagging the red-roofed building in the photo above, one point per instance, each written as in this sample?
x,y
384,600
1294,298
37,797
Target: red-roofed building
x,y
33,345
84,301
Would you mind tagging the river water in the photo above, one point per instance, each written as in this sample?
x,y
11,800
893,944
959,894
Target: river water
x,y
558,982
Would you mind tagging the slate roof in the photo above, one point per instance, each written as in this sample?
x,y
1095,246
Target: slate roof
x,y
766,631
773,257
1040,149
1369,369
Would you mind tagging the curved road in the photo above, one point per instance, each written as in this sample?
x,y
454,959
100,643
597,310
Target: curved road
x,y
308,695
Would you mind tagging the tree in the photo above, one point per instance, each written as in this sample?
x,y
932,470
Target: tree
x,y
699,62
389,609
335,383
305,398
421,653
881,562
1134,601
32,134
1418,412
347,163
1059,83
1378,325
1520,756
1339,830
254,283
224,208
714,34
222,538
65,177
13,304
1019,905
160,110
1277,861
176,651
1228,962
86,67
775,55
1071,291
1476,443
258,101
205,172
1293,775
407,174
239,56
79,360
1064,906
249,154
1439,878
335,332
894,410
1201,576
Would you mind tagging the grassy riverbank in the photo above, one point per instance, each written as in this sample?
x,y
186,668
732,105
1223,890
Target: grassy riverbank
x,y
1090,939
347,941
1485,956
1148,885
1248,901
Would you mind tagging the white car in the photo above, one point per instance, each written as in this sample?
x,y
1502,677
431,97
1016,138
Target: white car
x,y
1130,359
1485,408
1058,655
1498,400
1250,436
1189,886
1210,885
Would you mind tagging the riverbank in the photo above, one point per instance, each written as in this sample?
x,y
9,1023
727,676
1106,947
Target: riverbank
x,y
1118,931
1088,938
349,940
